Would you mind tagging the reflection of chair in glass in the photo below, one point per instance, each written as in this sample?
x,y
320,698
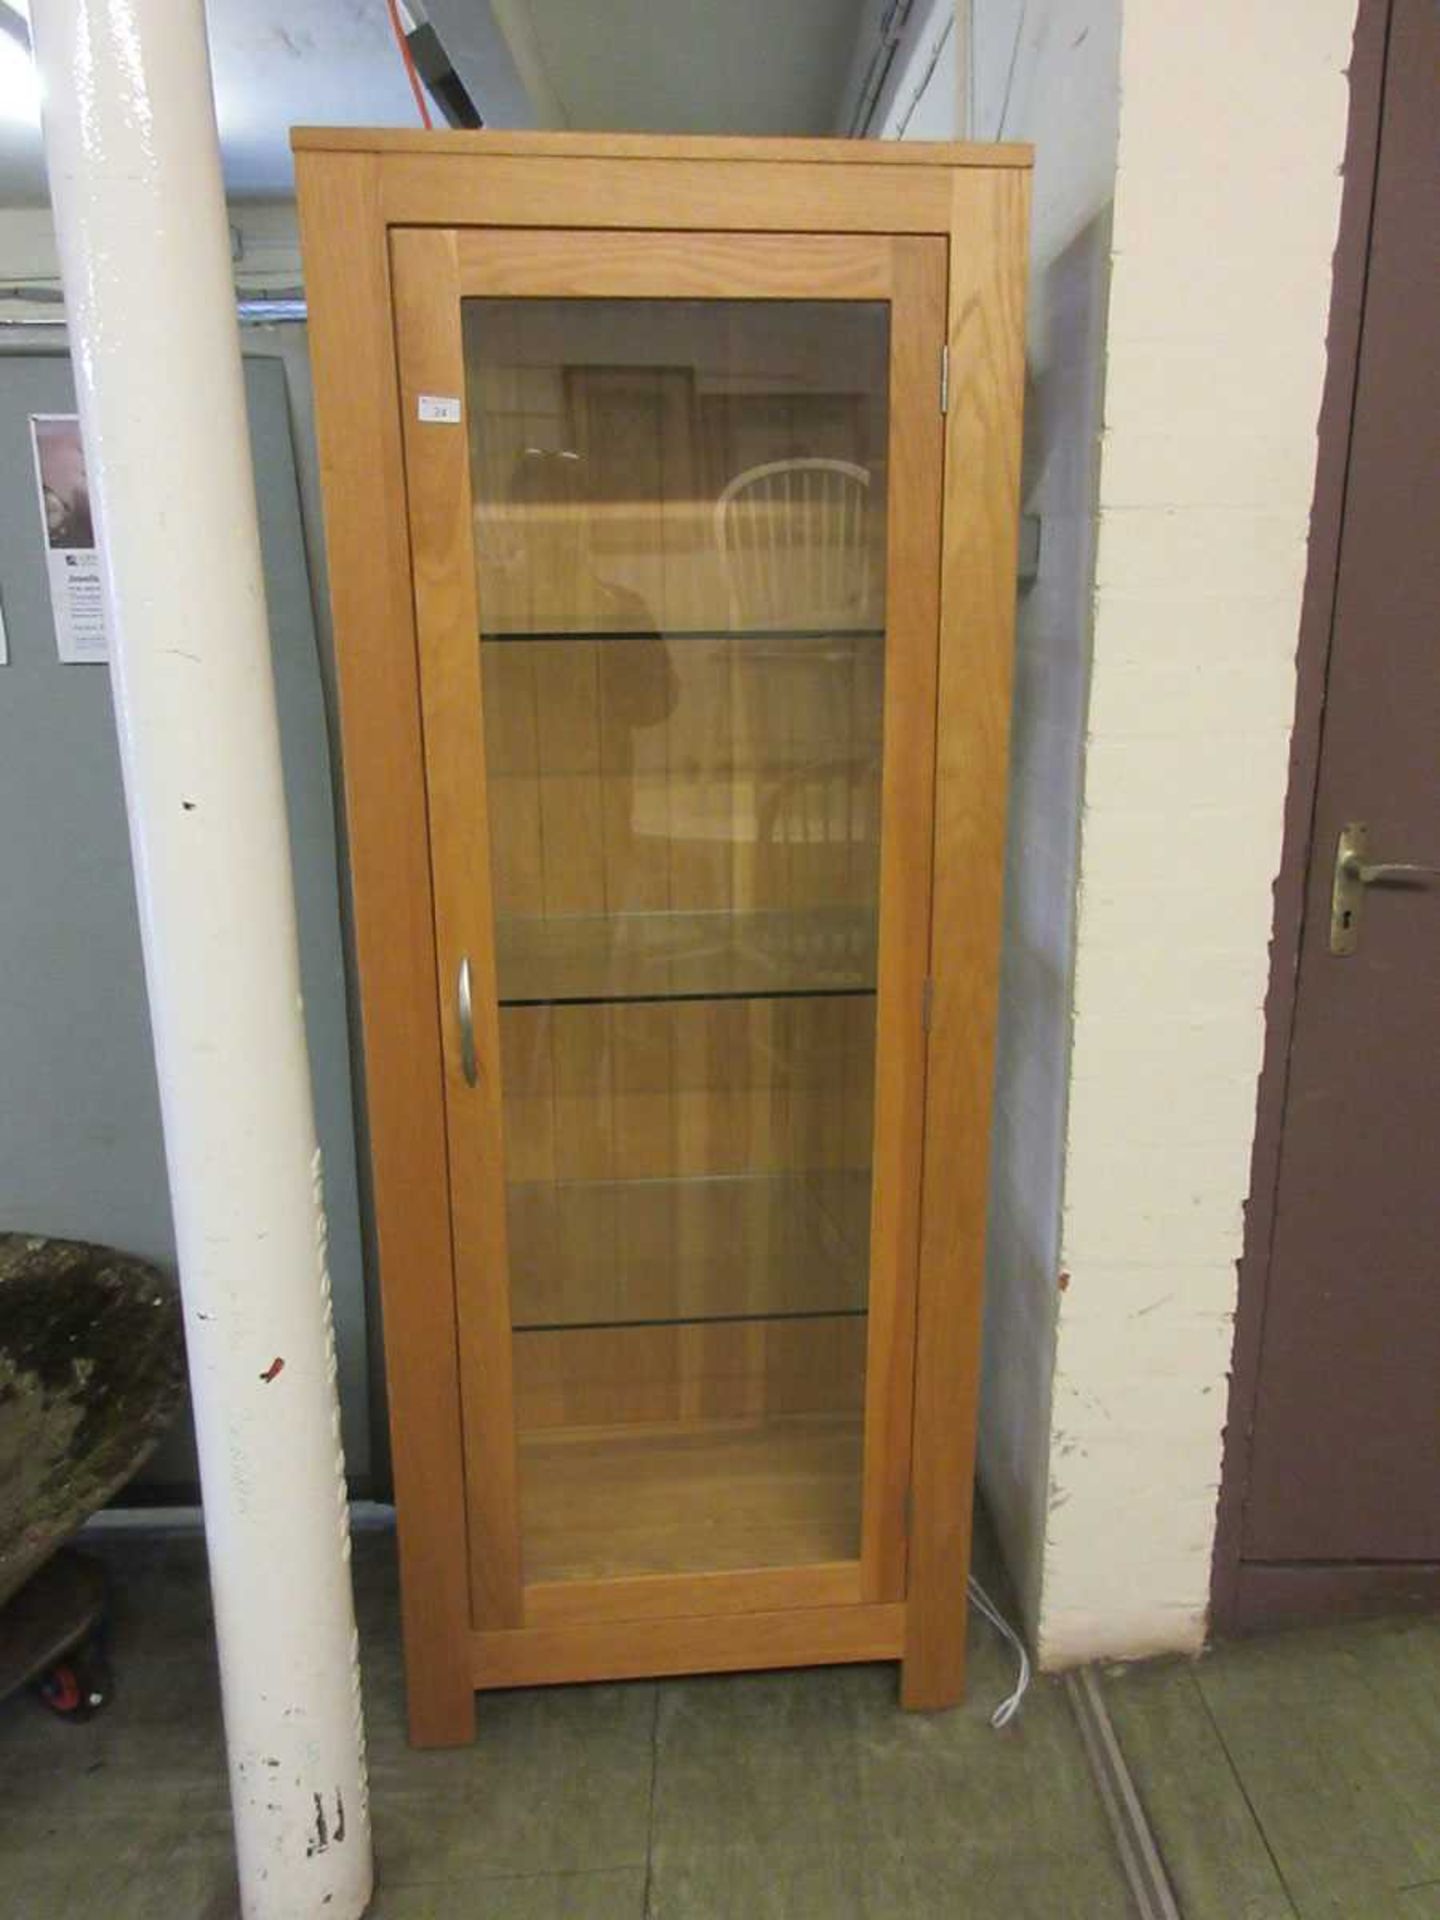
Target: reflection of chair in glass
x,y
819,834
795,546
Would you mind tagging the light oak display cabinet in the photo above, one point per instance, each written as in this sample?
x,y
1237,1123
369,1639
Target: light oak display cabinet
x,y
671,493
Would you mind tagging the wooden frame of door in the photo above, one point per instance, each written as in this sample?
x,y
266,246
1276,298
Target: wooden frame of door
x,y
1252,1596
435,269
353,189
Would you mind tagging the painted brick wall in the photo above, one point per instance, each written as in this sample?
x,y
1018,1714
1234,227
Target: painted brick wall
x,y
1227,192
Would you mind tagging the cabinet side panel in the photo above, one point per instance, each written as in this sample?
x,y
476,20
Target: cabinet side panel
x,y
358,427
917,330
982,468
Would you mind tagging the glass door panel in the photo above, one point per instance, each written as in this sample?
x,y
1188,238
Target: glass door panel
x,y
679,539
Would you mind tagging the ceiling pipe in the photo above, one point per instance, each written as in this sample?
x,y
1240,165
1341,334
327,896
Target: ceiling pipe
x,y
134,164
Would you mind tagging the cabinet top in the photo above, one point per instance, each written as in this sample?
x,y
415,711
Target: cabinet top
x,y
662,146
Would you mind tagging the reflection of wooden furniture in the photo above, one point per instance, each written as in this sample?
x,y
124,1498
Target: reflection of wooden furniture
x,y
682,1352
794,538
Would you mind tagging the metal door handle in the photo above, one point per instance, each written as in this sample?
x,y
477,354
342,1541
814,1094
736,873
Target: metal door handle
x,y
1353,873
1390,873
465,1008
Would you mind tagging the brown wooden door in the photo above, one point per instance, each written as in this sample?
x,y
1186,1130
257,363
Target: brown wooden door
x,y
1345,1448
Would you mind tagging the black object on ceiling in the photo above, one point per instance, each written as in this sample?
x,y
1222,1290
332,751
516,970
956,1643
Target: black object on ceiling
x,y
444,85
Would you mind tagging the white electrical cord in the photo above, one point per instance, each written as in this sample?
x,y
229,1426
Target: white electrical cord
x,y
1010,1705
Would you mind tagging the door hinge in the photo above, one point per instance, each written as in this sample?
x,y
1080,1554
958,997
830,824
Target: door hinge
x,y
927,1002
945,378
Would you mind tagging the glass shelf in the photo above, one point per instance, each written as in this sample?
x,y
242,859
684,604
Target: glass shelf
x,y
606,1253
583,959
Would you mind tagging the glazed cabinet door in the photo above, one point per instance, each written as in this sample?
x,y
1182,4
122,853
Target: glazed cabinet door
x,y
674,508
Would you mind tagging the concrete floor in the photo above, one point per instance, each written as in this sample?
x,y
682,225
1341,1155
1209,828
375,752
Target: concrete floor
x,y
799,1796
1295,1778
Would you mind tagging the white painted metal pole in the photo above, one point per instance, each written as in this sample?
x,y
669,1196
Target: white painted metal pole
x,y
133,154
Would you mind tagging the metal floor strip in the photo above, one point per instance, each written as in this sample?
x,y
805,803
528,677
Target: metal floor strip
x,y
1139,1854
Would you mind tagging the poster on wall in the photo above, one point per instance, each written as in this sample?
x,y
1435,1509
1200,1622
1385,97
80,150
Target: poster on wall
x,y
74,565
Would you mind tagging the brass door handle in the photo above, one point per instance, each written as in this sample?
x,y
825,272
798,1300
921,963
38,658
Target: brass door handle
x,y
1353,873
465,1009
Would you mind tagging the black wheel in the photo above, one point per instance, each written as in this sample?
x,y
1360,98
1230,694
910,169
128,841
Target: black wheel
x,y
77,1687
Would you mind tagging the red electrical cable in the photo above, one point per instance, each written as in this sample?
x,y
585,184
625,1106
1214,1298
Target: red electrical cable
x,y
404,45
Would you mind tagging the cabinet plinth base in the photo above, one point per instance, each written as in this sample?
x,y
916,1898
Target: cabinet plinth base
x,y
650,1649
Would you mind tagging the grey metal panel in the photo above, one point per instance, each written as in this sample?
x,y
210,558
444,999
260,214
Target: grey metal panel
x,y
80,1142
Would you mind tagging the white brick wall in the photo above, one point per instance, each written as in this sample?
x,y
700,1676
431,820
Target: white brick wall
x,y
1232,125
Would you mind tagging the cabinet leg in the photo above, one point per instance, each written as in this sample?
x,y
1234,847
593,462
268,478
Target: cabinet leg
x,y
440,1709
932,1669
435,1605
439,1685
